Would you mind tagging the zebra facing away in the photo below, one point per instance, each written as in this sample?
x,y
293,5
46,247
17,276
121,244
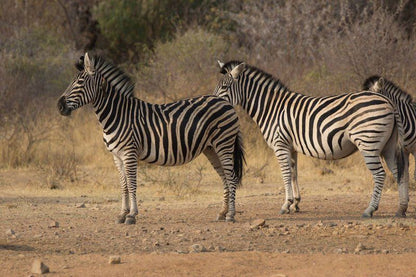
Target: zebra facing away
x,y
405,107
327,128
168,134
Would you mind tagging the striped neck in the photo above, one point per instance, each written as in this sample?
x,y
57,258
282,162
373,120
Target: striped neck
x,y
258,90
114,76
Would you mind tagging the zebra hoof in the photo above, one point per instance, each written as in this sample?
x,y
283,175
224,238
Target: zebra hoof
x,y
130,220
221,217
295,208
367,215
120,219
229,219
284,211
400,214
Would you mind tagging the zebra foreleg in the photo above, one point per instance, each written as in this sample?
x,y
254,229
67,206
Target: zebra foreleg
x,y
284,157
295,186
131,171
414,172
121,218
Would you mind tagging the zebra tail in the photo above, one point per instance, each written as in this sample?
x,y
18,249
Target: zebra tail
x,y
399,147
239,159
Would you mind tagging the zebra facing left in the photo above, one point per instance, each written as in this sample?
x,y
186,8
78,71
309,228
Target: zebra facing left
x,y
169,134
329,128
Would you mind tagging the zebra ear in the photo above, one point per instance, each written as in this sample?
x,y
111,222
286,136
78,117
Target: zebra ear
x,y
237,70
221,64
88,65
380,82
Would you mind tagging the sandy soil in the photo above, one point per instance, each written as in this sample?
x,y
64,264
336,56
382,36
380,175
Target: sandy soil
x,y
321,240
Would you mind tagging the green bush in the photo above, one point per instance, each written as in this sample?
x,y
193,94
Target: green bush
x,y
184,67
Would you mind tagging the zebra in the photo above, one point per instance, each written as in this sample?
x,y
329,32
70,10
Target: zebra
x,y
168,134
404,105
328,128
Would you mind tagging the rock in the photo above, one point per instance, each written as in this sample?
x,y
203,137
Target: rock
x,y
10,232
219,248
53,224
197,248
326,171
360,247
258,223
38,267
385,251
80,205
340,251
114,260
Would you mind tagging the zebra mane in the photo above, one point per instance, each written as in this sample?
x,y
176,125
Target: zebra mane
x,y
112,74
228,66
384,86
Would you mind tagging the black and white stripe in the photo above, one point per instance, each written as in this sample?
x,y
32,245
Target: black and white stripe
x,y
328,128
168,134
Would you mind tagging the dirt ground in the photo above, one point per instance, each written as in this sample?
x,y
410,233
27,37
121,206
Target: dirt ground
x,y
327,238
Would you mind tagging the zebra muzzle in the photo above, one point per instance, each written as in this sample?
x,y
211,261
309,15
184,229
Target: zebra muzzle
x,y
62,107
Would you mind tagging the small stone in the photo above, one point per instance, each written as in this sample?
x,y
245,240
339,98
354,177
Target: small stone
x,y
197,248
385,251
80,205
114,260
10,232
360,247
38,267
326,171
219,248
53,224
258,223
340,251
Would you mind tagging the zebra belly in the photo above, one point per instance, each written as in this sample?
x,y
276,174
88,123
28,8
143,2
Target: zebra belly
x,y
336,152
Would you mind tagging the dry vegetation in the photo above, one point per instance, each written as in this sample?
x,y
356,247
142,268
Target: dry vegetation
x,y
317,47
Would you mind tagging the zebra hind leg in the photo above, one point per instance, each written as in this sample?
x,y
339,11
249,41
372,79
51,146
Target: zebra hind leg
x,y
375,166
216,163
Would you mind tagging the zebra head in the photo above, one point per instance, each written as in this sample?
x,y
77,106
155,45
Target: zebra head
x,y
83,89
227,87
373,83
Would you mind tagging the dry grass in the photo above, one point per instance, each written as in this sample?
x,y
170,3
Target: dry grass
x,y
65,155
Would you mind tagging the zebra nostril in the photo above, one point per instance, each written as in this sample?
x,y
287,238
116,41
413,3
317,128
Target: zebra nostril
x,y
61,104
62,107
